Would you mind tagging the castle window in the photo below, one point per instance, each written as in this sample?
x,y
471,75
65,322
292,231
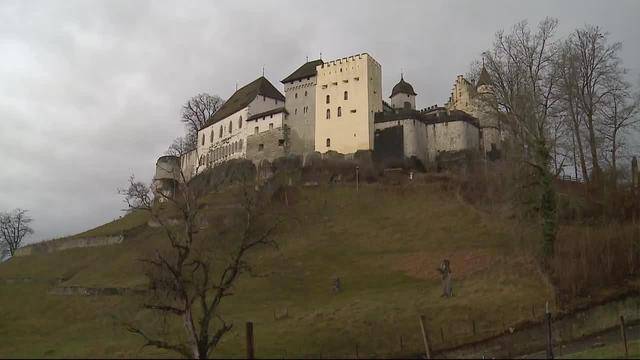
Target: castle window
x,y
220,134
339,111
276,101
328,142
271,126
211,136
328,114
240,123
230,127
353,111
346,95
264,99
356,78
256,130
295,111
240,145
202,139
281,142
260,147
296,96
328,99
305,93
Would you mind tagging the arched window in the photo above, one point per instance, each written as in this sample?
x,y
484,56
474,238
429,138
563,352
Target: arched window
x,y
328,114
240,145
220,134
328,142
240,123
230,127
295,111
339,111
328,99
346,95
296,95
202,139
211,136
305,93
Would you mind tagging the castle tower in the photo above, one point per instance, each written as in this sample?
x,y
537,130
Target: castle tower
x,y
300,94
348,94
403,96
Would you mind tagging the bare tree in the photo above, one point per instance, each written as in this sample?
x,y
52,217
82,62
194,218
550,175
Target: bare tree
x,y
567,69
595,63
14,226
196,112
522,66
190,280
620,113
180,146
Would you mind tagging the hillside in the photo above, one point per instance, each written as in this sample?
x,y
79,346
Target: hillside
x,y
383,242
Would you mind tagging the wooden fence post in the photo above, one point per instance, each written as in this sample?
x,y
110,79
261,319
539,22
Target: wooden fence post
x,y
250,348
549,336
623,333
425,337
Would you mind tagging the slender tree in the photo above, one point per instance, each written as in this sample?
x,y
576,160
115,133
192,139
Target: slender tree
x,y
525,79
596,63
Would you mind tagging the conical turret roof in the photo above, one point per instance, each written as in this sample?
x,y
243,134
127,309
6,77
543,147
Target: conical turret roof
x,y
484,78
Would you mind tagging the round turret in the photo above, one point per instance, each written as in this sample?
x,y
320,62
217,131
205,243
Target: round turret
x,y
167,168
403,96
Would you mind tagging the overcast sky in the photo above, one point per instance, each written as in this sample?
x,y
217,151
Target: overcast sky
x,y
90,91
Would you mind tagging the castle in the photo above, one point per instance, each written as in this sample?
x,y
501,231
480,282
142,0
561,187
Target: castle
x,y
337,106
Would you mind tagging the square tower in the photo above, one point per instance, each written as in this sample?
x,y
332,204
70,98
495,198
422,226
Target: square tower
x,y
300,94
348,94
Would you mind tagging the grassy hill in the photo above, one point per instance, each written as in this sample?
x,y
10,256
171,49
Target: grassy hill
x,y
384,243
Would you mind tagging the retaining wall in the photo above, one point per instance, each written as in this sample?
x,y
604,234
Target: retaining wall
x,y
64,244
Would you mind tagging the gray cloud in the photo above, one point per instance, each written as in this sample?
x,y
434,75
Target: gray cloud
x,y
90,91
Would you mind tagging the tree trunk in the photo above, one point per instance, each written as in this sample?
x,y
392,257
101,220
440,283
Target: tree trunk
x,y
597,172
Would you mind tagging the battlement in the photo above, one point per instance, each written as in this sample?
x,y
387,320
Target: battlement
x,y
347,59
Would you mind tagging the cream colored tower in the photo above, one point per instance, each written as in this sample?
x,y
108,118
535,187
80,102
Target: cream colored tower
x,y
348,94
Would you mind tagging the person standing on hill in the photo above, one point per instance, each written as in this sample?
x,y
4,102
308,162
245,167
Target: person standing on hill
x,y
445,272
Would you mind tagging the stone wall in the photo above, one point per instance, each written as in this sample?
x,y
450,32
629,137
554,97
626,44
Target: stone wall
x,y
267,145
71,243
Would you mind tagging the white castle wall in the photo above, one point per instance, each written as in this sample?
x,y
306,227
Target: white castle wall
x,y
360,76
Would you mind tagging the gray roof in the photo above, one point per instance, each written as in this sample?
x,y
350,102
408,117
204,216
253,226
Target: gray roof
x,y
243,96
306,70
267,113
484,78
402,87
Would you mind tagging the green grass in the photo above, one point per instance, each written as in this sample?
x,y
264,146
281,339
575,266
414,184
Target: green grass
x,y
384,244
612,351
